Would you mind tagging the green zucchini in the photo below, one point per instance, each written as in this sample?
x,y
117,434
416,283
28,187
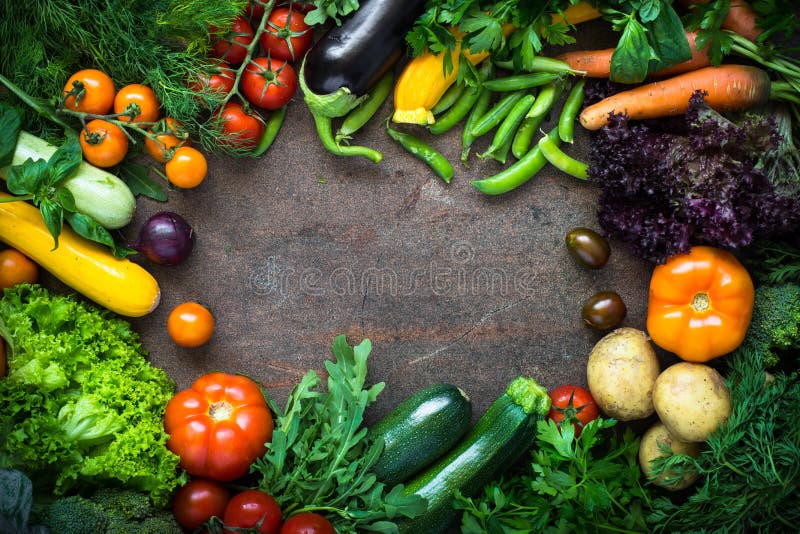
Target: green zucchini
x,y
97,193
497,440
420,430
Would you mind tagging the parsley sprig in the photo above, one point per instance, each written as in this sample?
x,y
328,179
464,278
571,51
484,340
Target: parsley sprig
x,y
320,457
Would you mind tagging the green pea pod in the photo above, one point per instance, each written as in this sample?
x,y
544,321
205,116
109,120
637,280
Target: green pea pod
x,y
497,113
478,110
271,129
518,173
561,161
521,81
521,143
501,143
362,113
566,122
463,106
425,152
548,96
449,98
542,64
325,132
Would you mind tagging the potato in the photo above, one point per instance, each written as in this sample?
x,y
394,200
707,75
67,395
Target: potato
x,y
692,400
621,372
650,449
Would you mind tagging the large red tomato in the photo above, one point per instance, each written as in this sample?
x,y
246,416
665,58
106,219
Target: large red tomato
x,y
218,426
241,129
286,36
269,83
232,46
574,404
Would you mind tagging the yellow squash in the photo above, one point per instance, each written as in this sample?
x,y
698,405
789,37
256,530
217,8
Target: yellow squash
x,y
120,285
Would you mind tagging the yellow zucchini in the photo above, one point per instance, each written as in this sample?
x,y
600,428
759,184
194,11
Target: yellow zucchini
x,y
120,285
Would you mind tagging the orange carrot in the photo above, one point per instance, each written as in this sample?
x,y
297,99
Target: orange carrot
x,y
729,88
740,19
597,63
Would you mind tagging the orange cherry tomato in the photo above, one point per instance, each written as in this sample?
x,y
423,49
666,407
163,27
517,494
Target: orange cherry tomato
x,y
169,134
218,426
89,91
103,143
700,304
190,324
143,97
16,268
187,168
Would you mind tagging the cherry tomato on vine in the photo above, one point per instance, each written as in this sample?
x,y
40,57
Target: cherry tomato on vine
x,y
198,501
190,324
143,97
89,91
574,404
286,35
241,129
218,80
16,268
104,144
187,168
307,523
231,46
248,508
269,83
169,134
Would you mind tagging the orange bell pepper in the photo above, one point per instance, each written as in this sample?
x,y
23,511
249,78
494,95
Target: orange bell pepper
x,y
700,304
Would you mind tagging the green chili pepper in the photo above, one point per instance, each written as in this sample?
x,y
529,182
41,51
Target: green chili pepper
x,y
449,98
520,81
271,129
548,96
497,113
566,122
362,113
504,135
518,173
480,108
325,132
423,151
561,160
466,103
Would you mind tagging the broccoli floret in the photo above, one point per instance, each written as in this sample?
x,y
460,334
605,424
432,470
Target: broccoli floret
x,y
124,504
76,515
775,327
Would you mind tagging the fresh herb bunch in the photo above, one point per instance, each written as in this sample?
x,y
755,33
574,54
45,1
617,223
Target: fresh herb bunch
x,y
326,10
584,484
320,457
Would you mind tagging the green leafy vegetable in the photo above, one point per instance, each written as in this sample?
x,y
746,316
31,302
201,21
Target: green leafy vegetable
x,y
334,10
82,405
320,457
16,499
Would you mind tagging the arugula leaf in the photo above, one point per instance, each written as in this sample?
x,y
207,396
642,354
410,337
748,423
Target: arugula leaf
x,y
10,125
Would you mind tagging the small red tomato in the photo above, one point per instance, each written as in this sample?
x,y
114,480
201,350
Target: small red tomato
x,y
231,46
16,268
198,501
248,508
218,80
269,83
241,129
286,36
307,523
574,404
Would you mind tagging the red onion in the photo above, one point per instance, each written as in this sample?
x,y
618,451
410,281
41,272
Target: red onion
x,y
166,239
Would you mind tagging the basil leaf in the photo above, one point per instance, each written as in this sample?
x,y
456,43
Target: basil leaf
x,y
53,216
631,57
668,41
140,183
65,161
65,197
28,177
10,124
650,10
87,227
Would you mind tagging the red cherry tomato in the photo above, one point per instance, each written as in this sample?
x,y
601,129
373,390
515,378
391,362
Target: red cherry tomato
x,y
286,35
248,508
307,523
231,46
574,404
218,80
269,83
241,129
198,501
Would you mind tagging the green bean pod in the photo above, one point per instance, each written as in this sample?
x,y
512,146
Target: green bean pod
x,y
561,161
464,105
425,152
548,96
362,113
478,110
449,98
501,143
497,113
271,129
518,173
521,81
566,122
